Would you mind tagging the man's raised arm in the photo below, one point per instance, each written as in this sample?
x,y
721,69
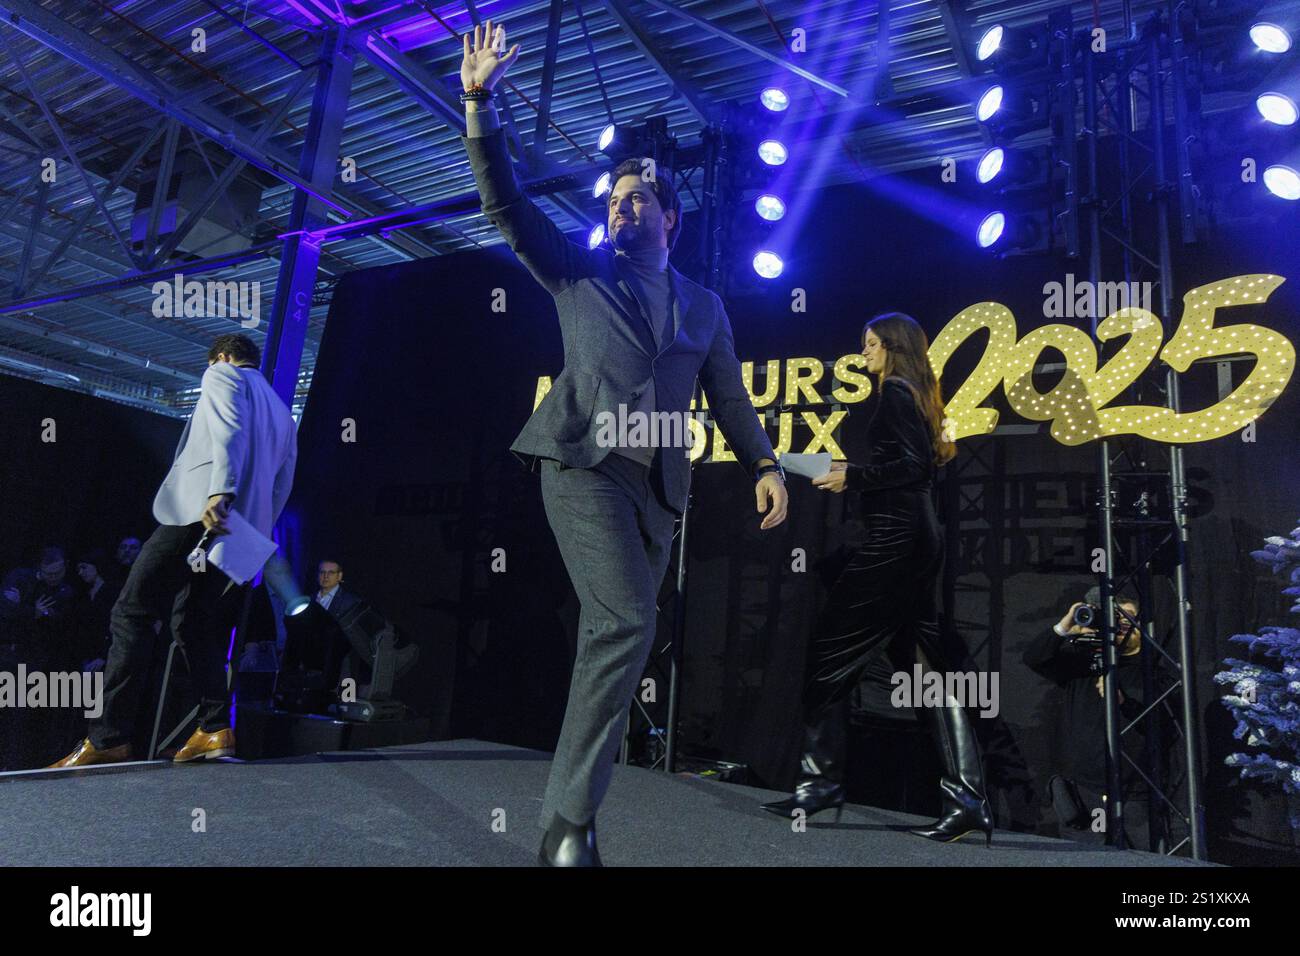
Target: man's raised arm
x,y
553,260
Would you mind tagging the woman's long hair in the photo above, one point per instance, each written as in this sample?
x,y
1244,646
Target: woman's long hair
x,y
907,358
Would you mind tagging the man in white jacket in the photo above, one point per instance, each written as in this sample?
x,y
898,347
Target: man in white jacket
x,y
237,451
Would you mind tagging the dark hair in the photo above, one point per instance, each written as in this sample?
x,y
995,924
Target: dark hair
x,y
661,184
907,357
238,347
337,564
1093,597
94,556
50,556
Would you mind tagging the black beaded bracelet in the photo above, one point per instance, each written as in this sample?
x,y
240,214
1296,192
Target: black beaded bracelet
x,y
479,95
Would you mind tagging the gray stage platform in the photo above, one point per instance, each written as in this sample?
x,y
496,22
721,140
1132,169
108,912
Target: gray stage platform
x,y
434,804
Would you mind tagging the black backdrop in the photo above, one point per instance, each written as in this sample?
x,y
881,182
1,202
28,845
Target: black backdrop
x,y
438,384
92,486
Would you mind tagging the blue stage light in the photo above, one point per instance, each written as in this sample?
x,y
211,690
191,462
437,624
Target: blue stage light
x,y
990,230
989,103
606,137
596,236
989,43
990,164
769,207
775,99
1283,182
1277,108
1270,37
602,186
768,264
772,152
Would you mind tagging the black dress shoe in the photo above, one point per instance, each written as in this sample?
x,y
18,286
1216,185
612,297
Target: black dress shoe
x,y
569,844
811,796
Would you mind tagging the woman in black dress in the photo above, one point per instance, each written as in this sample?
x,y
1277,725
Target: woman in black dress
x,y
884,601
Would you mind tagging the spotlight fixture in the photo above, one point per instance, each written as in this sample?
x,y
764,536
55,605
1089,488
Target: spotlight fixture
x,y
1010,110
1277,108
1283,182
991,228
1010,50
768,264
602,186
1006,232
989,43
773,152
1010,167
1270,37
990,102
775,99
769,207
990,164
596,236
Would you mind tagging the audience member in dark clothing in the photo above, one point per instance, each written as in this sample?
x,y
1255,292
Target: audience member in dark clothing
x,y
94,602
1065,656
17,629
128,549
55,623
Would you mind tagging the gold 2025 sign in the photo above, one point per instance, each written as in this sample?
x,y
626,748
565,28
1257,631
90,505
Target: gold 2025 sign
x,y
1078,406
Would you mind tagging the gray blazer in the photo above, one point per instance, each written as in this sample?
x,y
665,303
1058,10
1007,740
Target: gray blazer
x,y
610,351
241,439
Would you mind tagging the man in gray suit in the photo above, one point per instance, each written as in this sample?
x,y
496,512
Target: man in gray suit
x,y
238,450
637,334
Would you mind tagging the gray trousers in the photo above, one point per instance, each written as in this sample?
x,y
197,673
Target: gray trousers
x,y
615,534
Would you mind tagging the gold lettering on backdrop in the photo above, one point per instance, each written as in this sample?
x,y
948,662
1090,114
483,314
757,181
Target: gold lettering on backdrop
x,y
1078,405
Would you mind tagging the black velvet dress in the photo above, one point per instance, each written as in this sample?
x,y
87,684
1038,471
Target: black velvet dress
x,y
885,600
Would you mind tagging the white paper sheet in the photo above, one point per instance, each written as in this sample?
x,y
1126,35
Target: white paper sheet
x,y
242,552
809,466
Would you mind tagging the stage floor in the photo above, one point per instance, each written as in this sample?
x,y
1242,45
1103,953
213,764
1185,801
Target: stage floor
x,y
434,804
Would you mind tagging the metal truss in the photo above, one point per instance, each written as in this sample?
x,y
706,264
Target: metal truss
x,y
1124,92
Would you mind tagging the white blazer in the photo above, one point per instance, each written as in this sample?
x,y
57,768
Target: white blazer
x,y
241,439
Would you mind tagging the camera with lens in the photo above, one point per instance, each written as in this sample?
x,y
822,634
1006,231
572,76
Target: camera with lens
x,y
1087,615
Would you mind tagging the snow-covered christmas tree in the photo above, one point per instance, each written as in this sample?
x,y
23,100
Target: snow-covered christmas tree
x,y
1266,698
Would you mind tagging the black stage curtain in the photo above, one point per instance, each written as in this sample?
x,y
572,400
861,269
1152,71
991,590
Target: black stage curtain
x,y
92,486
437,383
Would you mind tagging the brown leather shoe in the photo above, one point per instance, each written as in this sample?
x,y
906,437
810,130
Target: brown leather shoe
x,y
203,745
87,756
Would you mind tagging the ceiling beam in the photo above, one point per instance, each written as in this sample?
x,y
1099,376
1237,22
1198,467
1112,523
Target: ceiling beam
x,y
631,24
710,27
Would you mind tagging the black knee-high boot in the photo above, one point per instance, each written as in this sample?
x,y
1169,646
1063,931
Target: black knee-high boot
x,y
965,806
821,771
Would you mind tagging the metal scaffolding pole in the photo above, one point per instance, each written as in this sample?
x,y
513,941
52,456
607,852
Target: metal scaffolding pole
x,y
1177,479
287,333
1125,61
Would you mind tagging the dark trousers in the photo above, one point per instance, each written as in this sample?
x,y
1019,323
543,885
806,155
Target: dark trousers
x,y
203,607
615,534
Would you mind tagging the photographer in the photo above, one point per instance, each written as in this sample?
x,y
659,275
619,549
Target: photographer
x,y
1072,657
